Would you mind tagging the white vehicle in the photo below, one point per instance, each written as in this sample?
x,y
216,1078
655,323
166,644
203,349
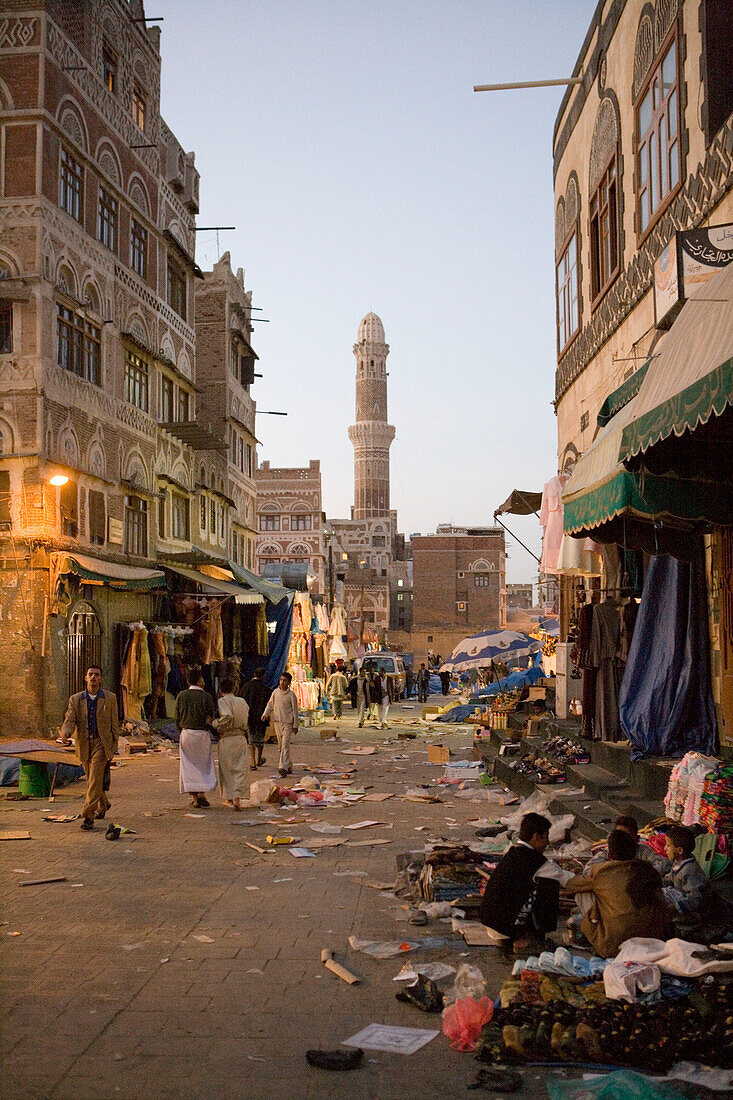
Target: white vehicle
x,y
390,665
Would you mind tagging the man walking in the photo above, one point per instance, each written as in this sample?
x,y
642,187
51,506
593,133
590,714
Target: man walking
x,y
232,727
444,682
195,711
363,696
283,706
336,688
256,694
91,717
423,682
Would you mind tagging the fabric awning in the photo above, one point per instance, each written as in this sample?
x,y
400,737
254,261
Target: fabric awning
x,y
95,571
601,488
622,395
519,503
217,586
269,589
692,378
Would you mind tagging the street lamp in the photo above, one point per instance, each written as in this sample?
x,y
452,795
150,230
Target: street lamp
x,y
362,566
58,480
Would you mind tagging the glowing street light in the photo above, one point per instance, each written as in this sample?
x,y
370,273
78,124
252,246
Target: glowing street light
x,y
58,479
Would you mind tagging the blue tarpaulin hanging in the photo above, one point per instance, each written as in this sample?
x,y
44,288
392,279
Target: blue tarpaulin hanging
x,y
665,702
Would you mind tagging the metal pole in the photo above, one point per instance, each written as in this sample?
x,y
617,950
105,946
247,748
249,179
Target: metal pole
x,y
330,575
527,84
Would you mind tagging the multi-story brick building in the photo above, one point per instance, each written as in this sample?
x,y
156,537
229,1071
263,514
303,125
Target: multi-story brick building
x,y
97,349
290,518
643,182
520,596
458,586
224,373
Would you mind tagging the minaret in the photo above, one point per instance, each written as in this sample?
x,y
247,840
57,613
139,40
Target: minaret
x,y
371,435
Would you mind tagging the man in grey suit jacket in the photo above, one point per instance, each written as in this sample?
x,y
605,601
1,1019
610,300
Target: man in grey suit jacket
x,y
92,717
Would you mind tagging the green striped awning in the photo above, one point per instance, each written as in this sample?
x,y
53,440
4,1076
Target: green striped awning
x,y
622,395
691,380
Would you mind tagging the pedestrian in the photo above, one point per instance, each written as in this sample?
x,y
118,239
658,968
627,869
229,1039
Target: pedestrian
x,y
256,694
445,682
384,705
408,682
363,696
352,687
232,728
283,706
336,689
423,683
91,716
375,696
195,710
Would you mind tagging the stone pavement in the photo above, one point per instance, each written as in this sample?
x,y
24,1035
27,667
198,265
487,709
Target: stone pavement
x,y
107,993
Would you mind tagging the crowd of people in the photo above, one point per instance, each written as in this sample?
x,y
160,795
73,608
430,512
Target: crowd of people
x,y
626,890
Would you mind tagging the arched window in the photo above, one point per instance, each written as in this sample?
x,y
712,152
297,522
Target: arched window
x,y
603,199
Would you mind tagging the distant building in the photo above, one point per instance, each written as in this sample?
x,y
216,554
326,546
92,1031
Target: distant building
x,y
520,596
458,586
289,518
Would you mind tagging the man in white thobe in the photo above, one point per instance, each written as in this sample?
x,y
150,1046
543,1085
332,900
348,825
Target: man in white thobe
x,y
283,706
232,729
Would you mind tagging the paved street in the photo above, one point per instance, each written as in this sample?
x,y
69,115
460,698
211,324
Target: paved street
x,y
107,992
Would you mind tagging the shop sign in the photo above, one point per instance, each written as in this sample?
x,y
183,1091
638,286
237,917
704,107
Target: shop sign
x,y
115,531
689,260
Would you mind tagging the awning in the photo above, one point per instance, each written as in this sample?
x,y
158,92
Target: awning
x,y
269,589
519,503
600,489
216,586
621,395
95,571
692,378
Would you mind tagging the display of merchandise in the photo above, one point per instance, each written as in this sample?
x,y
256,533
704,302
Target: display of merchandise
x,y
566,751
686,786
576,1023
451,872
308,693
538,768
716,803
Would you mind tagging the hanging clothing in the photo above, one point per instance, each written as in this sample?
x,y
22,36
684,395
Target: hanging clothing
x,y
585,663
666,702
262,644
145,681
578,558
551,514
214,636
604,651
337,625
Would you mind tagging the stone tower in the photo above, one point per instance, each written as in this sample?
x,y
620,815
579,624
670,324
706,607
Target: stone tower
x,y
371,435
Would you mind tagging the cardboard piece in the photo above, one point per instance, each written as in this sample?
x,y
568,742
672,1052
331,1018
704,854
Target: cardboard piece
x,y
14,834
376,797
438,754
367,843
392,1040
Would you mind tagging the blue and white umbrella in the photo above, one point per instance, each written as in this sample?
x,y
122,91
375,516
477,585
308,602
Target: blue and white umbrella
x,y
550,626
480,650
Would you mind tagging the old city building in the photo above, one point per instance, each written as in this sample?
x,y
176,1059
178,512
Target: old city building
x,y
520,596
98,351
643,175
290,520
459,582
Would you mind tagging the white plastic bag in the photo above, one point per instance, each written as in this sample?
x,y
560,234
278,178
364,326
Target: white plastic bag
x,y
469,982
625,981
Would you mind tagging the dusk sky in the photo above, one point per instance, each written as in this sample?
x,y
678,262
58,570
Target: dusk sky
x,y
344,141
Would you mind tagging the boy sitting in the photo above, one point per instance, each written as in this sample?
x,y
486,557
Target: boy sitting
x,y
685,883
515,903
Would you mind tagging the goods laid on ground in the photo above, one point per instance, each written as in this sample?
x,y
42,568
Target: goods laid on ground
x,y
686,786
579,1025
451,872
566,751
538,768
716,803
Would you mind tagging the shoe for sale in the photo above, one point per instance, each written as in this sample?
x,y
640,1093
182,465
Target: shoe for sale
x,y
87,824
113,832
335,1059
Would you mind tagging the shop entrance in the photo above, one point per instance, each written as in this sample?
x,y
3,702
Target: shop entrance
x,y
83,645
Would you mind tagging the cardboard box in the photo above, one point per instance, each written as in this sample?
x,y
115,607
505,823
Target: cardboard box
x,y
533,727
438,754
426,711
537,692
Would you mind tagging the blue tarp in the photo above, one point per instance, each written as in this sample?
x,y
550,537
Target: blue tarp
x,y
665,702
10,765
280,616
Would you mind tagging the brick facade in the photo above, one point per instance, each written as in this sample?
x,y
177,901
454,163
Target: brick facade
x,y
459,580
290,518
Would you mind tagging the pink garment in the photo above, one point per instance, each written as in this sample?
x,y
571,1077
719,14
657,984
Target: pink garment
x,y
551,515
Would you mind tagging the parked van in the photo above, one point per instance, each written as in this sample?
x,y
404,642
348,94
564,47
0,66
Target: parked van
x,y
390,665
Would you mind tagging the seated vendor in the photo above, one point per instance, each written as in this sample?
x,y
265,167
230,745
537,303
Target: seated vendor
x,y
539,710
514,903
628,824
685,884
620,898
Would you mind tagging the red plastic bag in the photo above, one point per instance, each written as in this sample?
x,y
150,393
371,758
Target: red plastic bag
x,y
464,1020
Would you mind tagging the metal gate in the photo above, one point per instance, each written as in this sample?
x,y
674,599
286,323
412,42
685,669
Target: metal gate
x,y
84,645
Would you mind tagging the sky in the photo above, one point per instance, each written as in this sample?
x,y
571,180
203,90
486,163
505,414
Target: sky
x,y
344,141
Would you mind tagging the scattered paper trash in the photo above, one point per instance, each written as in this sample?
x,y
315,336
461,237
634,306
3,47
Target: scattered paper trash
x,y
203,939
381,949
14,834
392,1040
302,853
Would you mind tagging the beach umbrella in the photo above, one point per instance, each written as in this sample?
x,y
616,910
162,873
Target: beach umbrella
x,y
550,626
479,650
